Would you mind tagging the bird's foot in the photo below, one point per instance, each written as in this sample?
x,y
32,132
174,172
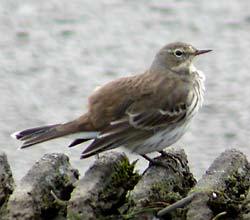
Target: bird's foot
x,y
173,157
159,163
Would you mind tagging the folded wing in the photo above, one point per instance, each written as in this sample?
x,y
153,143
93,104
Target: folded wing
x,y
134,127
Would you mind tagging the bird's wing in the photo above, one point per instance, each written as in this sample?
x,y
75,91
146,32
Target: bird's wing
x,y
156,118
135,126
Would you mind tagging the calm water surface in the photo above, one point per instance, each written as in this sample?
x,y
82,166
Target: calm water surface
x,y
54,53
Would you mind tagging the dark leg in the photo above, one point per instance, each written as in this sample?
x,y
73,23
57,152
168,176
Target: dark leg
x,y
158,163
172,156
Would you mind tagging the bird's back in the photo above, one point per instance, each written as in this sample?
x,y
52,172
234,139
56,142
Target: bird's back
x,y
137,94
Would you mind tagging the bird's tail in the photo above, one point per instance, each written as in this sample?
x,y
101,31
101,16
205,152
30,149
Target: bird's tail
x,y
37,135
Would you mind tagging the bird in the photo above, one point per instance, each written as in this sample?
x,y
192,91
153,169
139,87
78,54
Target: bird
x,y
144,113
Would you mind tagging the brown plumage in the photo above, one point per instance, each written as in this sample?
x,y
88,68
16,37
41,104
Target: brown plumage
x,y
142,112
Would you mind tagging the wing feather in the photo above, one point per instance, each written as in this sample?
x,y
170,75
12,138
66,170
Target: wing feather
x,y
133,127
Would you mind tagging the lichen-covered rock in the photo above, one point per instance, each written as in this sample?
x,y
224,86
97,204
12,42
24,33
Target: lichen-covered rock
x,y
33,197
245,214
103,189
6,182
160,186
112,190
223,187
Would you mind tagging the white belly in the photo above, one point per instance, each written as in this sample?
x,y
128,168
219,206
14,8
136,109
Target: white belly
x,y
160,140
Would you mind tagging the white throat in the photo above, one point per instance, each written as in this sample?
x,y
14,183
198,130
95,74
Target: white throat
x,y
194,70
200,78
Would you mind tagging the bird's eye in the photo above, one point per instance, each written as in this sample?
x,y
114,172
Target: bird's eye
x,y
178,53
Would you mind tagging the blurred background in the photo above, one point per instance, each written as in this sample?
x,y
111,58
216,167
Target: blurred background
x,y
54,53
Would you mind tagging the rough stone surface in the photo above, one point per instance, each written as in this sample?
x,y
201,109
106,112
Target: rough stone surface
x,y
6,182
103,189
160,186
112,190
32,199
204,212
221,187
245,215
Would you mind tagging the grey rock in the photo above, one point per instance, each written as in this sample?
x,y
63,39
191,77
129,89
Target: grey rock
x,y
224,183
33,197
161,185
103,189
6,182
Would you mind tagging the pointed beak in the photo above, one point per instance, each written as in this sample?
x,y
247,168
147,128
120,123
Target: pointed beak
x,y
199,52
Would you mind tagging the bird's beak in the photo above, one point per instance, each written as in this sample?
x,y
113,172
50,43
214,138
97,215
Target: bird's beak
x,y
198,52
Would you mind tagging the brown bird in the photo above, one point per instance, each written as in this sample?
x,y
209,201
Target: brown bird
x,y
144,113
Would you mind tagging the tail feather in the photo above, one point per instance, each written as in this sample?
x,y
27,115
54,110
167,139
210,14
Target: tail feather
x,y
29,133
78,141
37,135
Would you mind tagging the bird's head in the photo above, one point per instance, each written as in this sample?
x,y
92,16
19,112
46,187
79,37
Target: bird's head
x,y
177,56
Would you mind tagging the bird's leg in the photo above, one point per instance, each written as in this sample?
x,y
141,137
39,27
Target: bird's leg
x,y
172,156
158,163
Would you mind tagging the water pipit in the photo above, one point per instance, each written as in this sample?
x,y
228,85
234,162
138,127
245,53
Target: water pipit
x,y
144,113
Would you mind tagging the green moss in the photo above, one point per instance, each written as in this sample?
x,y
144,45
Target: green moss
x,y
160,192
124,175
222,203
231,199
51,207
74,216
236,186
123,179
62,186
158,198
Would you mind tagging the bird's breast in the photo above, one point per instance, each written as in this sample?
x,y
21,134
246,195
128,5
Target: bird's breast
x,y
198,93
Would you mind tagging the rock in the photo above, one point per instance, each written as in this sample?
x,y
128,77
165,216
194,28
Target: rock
x,y
6,182
103,189
32,199
160,186
245,211
112,190
221,189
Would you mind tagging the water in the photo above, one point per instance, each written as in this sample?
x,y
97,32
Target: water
x,y
54,53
